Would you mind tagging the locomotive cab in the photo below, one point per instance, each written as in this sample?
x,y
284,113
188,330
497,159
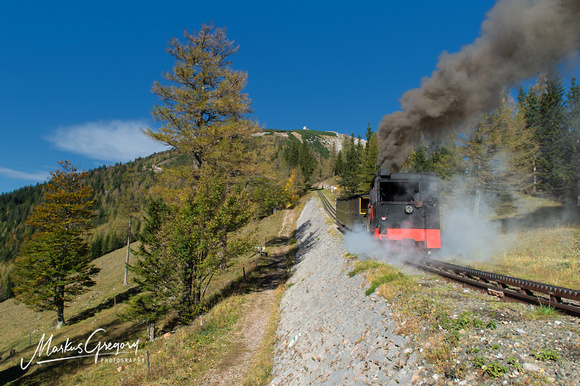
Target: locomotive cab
x,y
404,209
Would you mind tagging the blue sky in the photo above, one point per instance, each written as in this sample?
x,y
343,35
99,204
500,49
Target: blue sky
x,y
76,76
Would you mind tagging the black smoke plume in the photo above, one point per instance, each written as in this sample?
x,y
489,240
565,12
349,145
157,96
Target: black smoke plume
x,y
518,39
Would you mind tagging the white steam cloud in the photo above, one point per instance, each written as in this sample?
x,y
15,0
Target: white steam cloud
x,y
467,229
364,244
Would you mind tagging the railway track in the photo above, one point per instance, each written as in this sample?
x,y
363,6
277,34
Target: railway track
x,y
507,288
331,211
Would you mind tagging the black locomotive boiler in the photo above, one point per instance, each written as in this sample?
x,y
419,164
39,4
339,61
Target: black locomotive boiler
x,y
401,209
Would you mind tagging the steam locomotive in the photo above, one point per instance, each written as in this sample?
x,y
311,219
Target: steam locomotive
x,y
400,209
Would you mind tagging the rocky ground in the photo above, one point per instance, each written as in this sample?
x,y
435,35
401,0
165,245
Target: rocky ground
x,y
511,346
330,332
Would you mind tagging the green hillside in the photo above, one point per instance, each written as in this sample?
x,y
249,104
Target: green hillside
x,y
102,306
122,190
112,185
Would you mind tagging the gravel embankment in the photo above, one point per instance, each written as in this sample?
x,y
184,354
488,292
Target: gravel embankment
x,y
330,331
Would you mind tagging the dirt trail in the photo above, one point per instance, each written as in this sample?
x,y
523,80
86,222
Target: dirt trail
x,y
285,229
234,367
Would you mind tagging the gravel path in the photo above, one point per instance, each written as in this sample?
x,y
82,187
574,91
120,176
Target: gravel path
x,y
330,332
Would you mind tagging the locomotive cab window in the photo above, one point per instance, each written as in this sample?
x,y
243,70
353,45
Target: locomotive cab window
x,y
397,191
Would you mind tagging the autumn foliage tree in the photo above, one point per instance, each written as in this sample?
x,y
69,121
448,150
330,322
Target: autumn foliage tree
x,y
204,110
54,264
187,234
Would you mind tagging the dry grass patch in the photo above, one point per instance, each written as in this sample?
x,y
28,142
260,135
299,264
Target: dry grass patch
x,y
21,326
545,255
415,310
177,358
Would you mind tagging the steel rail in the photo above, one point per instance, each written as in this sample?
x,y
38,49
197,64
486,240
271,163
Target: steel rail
x,y
506,281
331,211
507,288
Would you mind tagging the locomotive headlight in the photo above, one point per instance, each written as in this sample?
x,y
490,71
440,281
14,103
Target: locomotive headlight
x,y
409,209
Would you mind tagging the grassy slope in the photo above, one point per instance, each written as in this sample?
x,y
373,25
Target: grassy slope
x,y
17,321
88,312
175,359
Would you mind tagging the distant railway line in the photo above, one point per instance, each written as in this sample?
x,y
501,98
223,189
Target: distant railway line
x,y
507,288
331,211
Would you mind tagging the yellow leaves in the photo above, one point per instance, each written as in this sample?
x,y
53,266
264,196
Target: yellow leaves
x,y
55,249
290,189
204,110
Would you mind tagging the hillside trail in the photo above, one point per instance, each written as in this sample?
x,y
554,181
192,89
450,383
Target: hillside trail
x,y
233,369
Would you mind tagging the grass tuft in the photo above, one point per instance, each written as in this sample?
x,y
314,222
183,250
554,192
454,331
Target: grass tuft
x,y
543,312
546,354
363,266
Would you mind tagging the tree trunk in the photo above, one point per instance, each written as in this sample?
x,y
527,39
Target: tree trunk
x,y
535,178
60,318
125,281
188,279
224,246
59,302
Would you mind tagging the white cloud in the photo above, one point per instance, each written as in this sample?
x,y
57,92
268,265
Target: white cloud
x,y
36,176
112,141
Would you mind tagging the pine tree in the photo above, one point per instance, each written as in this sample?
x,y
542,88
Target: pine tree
x,y
328,170
529,106
349,177
54,265
292,154
499,157
182,248
555,170
5,282
520,147
573,123
306,161
368,160
339,163
154,271
419,160
480,151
